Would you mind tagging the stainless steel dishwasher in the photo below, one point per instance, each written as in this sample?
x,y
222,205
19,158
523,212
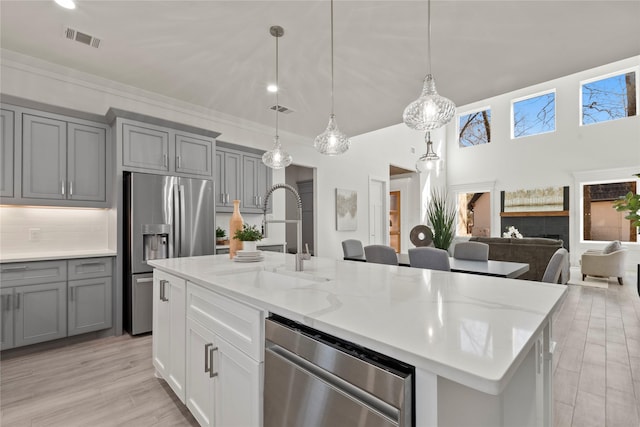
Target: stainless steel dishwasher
x,y
313,379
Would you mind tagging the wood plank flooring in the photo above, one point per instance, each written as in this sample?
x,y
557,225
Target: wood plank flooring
x,y
110,381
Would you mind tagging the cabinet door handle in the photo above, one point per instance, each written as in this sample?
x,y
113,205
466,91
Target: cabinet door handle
x,y
163,291
6,302
164,160
228,197
259,201
178,162
71,293
207,364
17,305
211,373
62,185
70,188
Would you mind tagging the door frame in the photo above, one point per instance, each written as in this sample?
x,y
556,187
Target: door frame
x,y
480,187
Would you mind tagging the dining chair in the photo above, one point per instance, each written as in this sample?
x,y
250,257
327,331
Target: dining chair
x,y
381,254
431,258
556,266
476,251
352,248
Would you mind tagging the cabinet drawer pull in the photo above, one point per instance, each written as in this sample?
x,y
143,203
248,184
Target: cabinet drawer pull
x,y
207,366
8,269
211,373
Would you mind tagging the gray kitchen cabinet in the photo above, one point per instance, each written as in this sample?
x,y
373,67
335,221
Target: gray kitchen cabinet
x,y
150,148
228,179
145,147
256,180
90,287
63,161
193,155
7,142
40,313
6,318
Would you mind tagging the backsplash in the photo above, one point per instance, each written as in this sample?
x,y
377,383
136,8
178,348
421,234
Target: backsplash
x,y
35,229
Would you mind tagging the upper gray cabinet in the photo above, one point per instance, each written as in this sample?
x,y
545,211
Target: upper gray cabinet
x,y
228,179
150,148
64,162
7,139
256,182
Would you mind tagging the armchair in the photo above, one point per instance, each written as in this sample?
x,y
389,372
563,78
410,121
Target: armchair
x,y
603,263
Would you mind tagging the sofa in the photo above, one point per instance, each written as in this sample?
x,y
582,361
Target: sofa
x,y
535,251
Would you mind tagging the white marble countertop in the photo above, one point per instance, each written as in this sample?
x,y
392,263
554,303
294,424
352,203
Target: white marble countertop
x,y
263,242
53,255
471,329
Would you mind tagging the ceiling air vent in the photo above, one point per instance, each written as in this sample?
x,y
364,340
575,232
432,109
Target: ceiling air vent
x,y
81,37
281,109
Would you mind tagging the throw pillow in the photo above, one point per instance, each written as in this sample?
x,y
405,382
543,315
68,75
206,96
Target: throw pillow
x,y
612,247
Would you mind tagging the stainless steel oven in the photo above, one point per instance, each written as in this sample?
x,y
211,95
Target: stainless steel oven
x,y
315,379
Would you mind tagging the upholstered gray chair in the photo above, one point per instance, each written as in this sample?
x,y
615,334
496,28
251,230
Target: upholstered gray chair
x,y
608,262
557,267
352,248
476,251
381,254
431,258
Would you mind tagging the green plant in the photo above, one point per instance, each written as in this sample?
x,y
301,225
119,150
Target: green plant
x,y
220,233
630,202
441,215
248,233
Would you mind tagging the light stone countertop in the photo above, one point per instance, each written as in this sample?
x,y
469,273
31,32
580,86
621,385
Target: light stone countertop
x,y
471,329
54,255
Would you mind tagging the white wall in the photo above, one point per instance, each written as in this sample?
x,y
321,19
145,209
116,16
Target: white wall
x,y
549,159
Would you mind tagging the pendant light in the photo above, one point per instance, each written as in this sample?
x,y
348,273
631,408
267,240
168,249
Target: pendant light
x,y
332,141
277,158
430,111
428,160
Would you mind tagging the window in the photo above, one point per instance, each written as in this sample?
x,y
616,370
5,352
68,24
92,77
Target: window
x,y
533,115
475,128
601,221
609,98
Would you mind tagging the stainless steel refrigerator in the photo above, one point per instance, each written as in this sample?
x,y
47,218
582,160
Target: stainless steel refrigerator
x,y
166,217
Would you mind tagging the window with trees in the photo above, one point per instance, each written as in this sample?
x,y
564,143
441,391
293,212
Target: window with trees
x,y
609,98
533,115
475,128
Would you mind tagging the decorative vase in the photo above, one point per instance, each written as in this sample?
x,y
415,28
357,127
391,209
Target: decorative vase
x,y
250,245
235,224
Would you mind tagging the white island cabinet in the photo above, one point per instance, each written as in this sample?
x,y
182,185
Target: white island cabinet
x,y
480,345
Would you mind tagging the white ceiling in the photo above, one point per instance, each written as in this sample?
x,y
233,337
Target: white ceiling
x,y
220,55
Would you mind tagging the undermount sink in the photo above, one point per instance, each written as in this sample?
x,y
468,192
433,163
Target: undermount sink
x,y
300,275
278,280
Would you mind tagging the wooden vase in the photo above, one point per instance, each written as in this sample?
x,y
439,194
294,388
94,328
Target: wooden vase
x,y
235,223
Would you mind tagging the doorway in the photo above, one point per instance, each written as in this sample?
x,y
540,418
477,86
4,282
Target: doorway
x,y
378,216
302,179
474,214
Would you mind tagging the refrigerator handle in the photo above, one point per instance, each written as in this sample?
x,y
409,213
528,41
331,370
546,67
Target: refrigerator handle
x,y
177,213
182,223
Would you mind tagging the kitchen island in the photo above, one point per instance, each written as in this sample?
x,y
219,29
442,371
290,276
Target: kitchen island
x,y
481,346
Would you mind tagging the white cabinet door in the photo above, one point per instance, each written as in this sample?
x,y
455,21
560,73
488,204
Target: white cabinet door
x,y
169,316
238,398
200,378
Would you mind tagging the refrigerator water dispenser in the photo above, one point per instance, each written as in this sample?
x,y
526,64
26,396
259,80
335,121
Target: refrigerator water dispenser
x,y
155,241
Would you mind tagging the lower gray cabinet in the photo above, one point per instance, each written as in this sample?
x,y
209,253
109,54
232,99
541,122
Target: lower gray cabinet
x,y
40,313
6,318
89,305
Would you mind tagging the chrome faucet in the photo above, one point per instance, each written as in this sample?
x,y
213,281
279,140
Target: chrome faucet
x,y
300,256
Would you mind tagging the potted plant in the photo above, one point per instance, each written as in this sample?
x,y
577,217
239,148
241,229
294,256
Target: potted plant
x,y
441,215
221,235
630,202
249,235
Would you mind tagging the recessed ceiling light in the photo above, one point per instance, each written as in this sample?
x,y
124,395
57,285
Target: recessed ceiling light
x,y
67,4
272,88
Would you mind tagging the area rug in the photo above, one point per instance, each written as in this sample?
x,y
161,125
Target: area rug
x,y
595,282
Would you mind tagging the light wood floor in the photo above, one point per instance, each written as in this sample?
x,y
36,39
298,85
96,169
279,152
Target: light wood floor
x,y
110,381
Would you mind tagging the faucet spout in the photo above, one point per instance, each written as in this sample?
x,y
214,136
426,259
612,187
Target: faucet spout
x,y
300,256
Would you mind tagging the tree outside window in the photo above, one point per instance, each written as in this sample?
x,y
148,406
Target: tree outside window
x,y
475,128
608,99
535,115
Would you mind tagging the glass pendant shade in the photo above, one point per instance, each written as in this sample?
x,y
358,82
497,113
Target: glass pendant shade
x,y
428,160
332,141
430,111
277,158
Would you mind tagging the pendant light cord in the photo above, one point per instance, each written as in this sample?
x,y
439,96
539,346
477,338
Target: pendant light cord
x,y
429,33
277,86
332,103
